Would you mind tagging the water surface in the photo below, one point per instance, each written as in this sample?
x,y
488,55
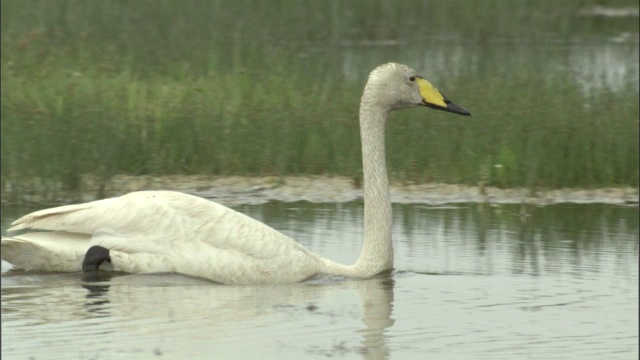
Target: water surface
x,y
472,281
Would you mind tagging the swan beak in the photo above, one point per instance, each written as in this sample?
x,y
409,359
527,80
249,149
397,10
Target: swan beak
x,y
432,98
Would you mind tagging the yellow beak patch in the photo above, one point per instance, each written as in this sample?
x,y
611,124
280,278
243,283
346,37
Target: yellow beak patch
x,y
432,98
429,93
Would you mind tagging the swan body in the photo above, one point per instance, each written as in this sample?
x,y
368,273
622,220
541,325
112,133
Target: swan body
x,y
164,231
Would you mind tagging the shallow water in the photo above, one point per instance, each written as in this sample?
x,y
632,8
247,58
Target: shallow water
x,y
471,281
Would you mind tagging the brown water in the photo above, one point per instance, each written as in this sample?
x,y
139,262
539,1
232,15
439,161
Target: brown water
x,y
472,281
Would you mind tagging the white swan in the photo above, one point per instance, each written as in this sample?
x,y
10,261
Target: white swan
x,y
163,231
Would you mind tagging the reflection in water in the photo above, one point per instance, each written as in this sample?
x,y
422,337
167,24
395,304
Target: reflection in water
x,y
472,238
377,305
149,306
97,302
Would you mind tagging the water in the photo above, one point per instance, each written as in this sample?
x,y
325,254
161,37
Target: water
x,y
472,281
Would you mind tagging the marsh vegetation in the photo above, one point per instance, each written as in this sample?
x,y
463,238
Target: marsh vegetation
x,y
272,88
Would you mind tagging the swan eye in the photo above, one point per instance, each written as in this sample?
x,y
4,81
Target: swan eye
x,y
413,78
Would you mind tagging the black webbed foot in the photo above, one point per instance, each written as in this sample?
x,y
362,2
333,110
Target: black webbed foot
x,y
94,257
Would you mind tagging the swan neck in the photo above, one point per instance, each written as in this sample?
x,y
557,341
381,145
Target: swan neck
x,y
377,250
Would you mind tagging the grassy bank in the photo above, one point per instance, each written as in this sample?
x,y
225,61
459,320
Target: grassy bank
x,y
203,88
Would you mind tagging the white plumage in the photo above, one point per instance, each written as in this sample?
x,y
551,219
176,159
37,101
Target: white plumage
x,y
163,231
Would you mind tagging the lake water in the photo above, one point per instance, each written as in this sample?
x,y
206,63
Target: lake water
x,y
472,281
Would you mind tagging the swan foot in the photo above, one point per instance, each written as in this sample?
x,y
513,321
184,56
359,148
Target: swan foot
x,y
94,257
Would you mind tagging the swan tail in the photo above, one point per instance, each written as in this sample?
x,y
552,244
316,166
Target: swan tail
x,y
46,251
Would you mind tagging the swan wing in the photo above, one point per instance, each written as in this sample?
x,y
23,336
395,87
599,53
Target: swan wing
x,y
152,231
157,216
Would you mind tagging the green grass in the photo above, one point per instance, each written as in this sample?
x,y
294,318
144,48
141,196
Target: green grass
x,y
257,88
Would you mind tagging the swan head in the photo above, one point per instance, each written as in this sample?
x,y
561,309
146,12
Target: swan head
x,y
395,86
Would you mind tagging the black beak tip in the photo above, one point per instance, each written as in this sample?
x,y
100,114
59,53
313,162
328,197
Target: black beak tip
x,y
457,109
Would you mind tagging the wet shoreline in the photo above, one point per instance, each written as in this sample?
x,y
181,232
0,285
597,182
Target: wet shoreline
x,y
236,190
